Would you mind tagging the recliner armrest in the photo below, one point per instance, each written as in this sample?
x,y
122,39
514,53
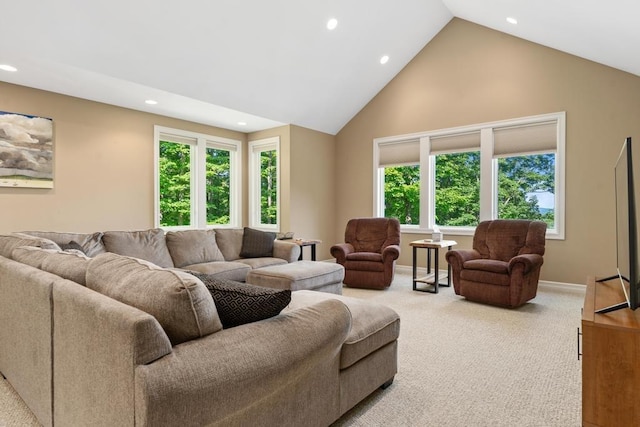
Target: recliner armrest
x,y
457,257
529,261
340,251
390,253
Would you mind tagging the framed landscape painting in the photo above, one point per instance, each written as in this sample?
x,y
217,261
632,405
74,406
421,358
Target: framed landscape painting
x,y
26,151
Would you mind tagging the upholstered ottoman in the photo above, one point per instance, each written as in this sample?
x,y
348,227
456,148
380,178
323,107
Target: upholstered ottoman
x,y
309,275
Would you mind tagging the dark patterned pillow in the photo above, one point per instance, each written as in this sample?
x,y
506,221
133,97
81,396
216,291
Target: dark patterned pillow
x,y
239,303
256,243
73,245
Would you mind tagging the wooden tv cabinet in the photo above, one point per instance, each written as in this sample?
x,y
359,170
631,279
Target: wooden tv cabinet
x,y
610,359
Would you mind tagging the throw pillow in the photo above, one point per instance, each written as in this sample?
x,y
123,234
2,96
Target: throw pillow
x,y
256,243
72,245
239,303
91,242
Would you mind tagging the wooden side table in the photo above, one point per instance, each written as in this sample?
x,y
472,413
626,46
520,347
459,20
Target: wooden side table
x,y
307,242
431,279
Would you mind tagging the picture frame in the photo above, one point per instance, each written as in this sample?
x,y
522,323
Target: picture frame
x,y
26,151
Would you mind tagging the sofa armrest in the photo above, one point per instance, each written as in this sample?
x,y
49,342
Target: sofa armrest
x,y
340,251
287,251
390,253
261,373
97,344
528,262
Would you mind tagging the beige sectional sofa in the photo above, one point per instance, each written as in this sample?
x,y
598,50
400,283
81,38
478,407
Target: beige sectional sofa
x,y
79,349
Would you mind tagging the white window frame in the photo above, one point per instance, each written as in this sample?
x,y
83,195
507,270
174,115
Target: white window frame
x,y
199,143
255,149
488,173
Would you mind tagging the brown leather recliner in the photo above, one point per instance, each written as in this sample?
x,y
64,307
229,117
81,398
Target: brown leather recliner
x,y
504,265
369,253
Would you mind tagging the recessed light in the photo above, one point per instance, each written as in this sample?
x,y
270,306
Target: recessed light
x,y
384,59
512,20
151,102
7,67
332,23
242,123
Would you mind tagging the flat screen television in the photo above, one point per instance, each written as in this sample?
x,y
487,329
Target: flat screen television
x,y
627,221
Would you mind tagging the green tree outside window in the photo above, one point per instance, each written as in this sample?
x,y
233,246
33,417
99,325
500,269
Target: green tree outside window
x,y
175,184
520,178
218,185
269,187
457,189
402,193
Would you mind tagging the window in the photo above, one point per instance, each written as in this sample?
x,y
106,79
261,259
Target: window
x,y
197,180
175,165
456,174
264,183
454,178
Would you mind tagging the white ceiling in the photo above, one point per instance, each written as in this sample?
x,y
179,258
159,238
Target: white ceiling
x,y
273,62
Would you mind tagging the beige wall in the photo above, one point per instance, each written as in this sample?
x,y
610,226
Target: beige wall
x,y
471,74
103,171
313,188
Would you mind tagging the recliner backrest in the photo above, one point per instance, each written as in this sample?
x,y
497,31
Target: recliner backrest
x,y
372,234
503,239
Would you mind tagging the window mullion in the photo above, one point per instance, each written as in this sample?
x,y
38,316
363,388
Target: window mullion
x,y
427,177
488,177
200,187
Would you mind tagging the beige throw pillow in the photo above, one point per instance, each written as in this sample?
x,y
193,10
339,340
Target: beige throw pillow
x,y
180,302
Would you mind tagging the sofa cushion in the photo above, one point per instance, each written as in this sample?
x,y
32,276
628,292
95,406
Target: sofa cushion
x,y
240,303
262,262
492,265
149,245
68,265
193,247
9,242
91,242
256,243
232,270
229,241
373,325
181,303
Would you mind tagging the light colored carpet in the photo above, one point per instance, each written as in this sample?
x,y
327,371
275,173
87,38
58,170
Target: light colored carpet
x,y
468,364
460,363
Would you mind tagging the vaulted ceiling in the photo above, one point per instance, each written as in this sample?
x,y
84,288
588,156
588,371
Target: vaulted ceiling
x,y
267,63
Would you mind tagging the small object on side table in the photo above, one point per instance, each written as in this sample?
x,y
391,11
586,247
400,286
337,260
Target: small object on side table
x,y
430,245
307,242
